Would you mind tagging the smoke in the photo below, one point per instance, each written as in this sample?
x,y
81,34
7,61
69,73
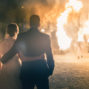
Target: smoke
x,y
48,10
36,1
45,2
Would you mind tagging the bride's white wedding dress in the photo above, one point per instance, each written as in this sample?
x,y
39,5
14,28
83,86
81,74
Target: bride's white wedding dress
x,y
9,75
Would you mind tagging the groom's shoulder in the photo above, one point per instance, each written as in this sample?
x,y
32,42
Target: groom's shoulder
x,y
45,35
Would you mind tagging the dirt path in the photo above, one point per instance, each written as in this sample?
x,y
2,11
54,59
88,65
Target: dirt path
x,y
72,74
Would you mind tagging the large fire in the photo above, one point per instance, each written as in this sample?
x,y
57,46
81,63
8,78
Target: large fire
x,y
75,5
63,40
83,31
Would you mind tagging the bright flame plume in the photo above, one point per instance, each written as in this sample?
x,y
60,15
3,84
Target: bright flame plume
x,y
83,31
63,40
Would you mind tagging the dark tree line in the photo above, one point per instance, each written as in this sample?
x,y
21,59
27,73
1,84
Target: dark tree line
x,y
11,10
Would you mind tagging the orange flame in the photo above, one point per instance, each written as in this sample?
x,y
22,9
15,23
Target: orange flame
x,y
63,40
75,5
83,31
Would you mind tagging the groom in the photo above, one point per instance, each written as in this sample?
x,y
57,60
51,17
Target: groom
x,y
33,44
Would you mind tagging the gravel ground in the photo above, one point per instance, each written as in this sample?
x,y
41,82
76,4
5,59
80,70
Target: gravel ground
x,y
69,73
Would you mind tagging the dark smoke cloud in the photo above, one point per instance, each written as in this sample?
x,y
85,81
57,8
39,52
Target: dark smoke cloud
x,y
36,1
42,2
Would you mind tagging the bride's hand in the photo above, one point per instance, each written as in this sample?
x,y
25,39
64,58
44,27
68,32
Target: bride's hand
x,y
1,65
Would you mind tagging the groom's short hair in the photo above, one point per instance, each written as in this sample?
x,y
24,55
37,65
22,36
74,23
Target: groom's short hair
x,y
34,20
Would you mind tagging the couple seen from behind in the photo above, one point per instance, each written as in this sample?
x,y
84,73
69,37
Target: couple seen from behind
x,y
31,47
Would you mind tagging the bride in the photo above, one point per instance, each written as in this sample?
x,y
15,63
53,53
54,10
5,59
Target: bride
x,y
9,75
